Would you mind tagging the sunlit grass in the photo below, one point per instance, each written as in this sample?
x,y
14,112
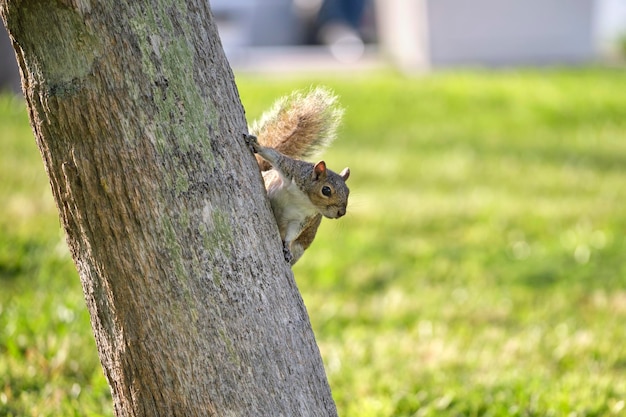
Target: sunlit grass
x,y
479,272
484,242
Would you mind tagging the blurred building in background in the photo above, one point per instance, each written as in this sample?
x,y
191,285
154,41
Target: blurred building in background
x,y
415,35
422,34
495,33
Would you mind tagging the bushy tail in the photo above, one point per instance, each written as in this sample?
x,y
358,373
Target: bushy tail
x,y
299,125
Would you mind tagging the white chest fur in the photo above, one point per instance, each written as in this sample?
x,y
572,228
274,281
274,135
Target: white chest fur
x,y
292,207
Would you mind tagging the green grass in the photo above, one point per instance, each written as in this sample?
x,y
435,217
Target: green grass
x,y
480,270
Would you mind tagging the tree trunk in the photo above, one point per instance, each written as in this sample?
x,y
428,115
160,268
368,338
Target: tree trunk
x,y
139,123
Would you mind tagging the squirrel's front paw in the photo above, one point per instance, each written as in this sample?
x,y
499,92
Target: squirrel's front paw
x,y
252,142
287,253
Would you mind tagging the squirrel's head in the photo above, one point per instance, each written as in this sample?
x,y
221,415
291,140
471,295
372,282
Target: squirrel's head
x,y
329,192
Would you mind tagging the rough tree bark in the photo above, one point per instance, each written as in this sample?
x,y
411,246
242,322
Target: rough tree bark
x,y
139,123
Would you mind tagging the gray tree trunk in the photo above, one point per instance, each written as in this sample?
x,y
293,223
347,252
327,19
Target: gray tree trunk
x,y
139,123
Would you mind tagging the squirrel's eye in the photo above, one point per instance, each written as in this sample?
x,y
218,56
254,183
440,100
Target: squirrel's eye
x,y
326,191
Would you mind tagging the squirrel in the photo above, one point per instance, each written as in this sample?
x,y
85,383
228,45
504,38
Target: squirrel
x,y
300,192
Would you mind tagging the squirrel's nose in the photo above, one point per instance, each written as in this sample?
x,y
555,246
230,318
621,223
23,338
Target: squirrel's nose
x,y
341,212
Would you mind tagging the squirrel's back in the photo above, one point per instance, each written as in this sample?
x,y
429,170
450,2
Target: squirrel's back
x,y
300,124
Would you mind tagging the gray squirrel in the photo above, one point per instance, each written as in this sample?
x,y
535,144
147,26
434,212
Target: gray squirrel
x,y
300,192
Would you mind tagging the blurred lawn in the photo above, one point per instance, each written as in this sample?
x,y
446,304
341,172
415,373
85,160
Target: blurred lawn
x,y
481,270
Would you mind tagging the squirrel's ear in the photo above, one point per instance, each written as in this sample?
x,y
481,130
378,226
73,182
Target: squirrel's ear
x,y
345,173
319,170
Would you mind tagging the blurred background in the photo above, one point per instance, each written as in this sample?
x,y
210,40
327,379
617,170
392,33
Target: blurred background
x,y
416,35
480,270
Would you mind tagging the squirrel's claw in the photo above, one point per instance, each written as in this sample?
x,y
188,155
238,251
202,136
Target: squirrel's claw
x,y
252,142
287,253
